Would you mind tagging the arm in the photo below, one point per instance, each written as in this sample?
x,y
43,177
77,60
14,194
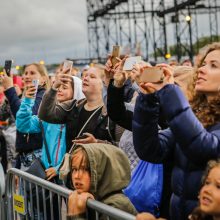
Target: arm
x,y
150,144
26,122
197,143
13,100
116,107
51,112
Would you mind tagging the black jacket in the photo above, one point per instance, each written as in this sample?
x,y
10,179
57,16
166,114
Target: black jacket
x,y
118,113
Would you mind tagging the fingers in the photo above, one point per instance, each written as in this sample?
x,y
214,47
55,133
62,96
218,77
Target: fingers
x,y
82,141
87,138
30,91
50,173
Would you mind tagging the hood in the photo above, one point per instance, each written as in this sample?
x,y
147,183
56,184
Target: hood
x,y
110,169
78,94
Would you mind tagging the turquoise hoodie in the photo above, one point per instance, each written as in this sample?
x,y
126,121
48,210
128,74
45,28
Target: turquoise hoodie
x,y
54,133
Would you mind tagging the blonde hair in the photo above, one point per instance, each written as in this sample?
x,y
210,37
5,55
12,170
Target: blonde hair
x,y
101,69
85,159
184,78
43,72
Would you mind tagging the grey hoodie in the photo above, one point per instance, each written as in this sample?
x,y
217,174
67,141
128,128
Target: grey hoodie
x,y
110,174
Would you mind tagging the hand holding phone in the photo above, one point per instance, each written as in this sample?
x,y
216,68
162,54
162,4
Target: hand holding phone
x,y
7,67
67,65
115,53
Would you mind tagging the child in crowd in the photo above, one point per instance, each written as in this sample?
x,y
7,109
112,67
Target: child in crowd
x,y
87,116
99,171
54,133
209,196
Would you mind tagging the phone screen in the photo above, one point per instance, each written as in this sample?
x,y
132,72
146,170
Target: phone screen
x,y
152,74
115,53
7,67
68,64
130,61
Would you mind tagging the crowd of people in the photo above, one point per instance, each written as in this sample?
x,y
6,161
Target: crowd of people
x,y
111,122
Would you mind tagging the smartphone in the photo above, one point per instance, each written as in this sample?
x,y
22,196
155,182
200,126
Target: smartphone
x,y
152,75
35,82
68,64
130,61
115,53
7,67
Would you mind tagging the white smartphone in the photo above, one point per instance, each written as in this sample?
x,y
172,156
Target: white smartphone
x,y
35,82
68,64
130,61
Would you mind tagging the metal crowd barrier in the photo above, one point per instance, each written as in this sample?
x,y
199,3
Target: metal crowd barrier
x,y
21,206
2,193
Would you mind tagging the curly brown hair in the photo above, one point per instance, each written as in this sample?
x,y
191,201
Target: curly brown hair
x,y
208,113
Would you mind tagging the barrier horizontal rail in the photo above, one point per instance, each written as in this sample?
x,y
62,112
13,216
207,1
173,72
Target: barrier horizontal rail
x,y
97,206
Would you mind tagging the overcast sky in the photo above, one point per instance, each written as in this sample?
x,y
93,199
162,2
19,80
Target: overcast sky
x,y
50,30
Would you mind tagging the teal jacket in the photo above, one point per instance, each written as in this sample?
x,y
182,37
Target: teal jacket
x,y
54,133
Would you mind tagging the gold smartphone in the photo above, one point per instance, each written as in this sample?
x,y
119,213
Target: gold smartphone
x,y
152,75
115,53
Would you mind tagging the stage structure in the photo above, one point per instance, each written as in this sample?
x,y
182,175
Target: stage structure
x,y
149,27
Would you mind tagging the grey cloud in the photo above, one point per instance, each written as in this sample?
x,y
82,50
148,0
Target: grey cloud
x,y
37,29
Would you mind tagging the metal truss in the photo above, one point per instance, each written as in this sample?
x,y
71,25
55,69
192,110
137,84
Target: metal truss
x,y
147,27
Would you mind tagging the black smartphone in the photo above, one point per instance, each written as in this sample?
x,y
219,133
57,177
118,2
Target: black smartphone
x,y
7,67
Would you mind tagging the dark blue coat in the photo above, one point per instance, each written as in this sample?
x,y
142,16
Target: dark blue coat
x,y
186,142
25,142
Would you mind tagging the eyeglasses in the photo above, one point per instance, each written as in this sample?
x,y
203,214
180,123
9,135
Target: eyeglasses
x,y
80,170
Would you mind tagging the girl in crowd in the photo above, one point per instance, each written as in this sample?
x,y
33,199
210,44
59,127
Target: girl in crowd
x,y
54,133
27,145
88,116
99,171
209,196
193,136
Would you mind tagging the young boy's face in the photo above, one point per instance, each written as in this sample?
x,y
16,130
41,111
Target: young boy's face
x,y
210,193
80,173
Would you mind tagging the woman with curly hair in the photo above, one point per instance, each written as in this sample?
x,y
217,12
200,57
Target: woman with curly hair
x,y
193,136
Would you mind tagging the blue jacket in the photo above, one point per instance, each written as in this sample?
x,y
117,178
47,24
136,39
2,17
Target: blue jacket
x,y
25,142
186,142
54,133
